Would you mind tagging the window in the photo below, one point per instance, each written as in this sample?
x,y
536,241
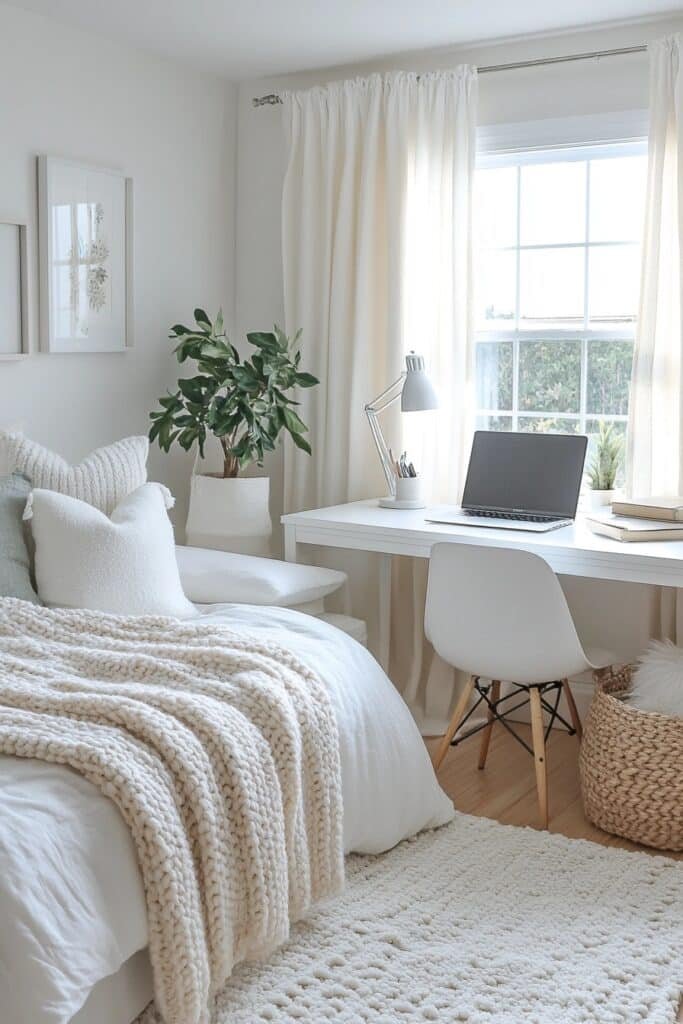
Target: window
x,y
557,280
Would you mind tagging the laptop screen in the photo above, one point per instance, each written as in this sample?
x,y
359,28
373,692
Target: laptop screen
x,y
537,473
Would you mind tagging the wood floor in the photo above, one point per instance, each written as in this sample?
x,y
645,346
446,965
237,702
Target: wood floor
x,y
506,789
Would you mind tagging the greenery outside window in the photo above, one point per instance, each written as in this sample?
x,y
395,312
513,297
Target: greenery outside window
x,y
558,236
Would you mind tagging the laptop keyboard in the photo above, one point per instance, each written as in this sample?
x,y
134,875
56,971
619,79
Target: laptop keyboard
x,y
521,517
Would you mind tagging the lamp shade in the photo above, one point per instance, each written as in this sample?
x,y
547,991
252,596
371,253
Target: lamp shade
x,y
418,393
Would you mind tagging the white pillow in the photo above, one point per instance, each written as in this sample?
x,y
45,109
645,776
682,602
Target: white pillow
x,y
102,479
125,564
658,680
218,577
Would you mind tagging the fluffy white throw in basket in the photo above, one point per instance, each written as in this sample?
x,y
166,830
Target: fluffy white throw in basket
x,y
222,755
657,683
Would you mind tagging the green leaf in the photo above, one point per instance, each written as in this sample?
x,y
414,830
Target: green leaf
x,y
264,341
187,438
306,380
210,350
282,339
189,347
218,323
281,397
201,318
302,443
192,388
214,370
293,422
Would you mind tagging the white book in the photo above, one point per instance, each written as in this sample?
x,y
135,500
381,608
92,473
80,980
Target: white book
x,y
663,509
631,528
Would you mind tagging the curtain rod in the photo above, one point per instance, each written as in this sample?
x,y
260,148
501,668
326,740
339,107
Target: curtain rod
x,y
272,98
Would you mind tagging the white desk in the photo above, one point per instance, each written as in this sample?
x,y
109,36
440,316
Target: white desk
x,y
573,550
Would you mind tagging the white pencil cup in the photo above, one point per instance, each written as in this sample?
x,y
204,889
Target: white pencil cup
x,y
408,488
408,494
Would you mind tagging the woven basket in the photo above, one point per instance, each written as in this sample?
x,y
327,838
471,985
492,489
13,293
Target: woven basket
x,y
631,766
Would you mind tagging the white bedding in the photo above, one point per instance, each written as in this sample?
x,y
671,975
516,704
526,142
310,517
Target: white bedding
x,y
71,900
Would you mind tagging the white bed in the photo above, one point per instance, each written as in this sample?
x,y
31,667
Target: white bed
x,y
72,915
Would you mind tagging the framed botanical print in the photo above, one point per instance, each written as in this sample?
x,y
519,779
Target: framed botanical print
x,y
14,304
86,257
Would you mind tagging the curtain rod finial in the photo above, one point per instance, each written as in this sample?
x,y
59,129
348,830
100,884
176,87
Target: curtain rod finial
x,y
270,100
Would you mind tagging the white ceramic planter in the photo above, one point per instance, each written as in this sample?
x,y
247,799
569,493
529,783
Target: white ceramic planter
x,y
230,514
598,499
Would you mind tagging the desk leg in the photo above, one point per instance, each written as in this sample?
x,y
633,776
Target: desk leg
x,y
290,543
384,611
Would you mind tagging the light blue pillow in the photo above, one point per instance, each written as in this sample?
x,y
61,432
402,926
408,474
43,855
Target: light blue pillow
x,y
15,575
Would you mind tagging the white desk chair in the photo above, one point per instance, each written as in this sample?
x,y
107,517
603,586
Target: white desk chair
x,y
500,614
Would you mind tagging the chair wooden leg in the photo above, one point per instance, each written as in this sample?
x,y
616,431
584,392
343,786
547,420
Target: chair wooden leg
x,y
458,715
486,734
571,704
537,732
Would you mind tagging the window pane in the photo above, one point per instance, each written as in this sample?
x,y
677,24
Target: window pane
x,y
496,207
496,291
550,376
551,289
592,428
613,285
494,422
553,203
494,375
609,377
617,203
549,425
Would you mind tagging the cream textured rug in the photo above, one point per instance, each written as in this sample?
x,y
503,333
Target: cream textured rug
x,y
480,923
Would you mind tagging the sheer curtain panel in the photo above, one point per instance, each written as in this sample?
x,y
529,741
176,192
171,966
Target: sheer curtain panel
x,y
377,210
655,430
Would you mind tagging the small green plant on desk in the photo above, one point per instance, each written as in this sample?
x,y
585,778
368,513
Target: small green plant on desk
x,y
604,468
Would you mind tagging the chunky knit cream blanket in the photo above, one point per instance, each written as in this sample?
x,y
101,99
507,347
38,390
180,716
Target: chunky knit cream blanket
x,y
221,752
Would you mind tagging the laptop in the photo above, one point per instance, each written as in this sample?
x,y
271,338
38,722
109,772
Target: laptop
x,y
519,481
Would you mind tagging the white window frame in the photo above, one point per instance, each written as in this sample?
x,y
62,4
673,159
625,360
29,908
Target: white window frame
x,y
623,134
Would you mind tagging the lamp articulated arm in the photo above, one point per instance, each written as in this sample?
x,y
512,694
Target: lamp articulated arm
x,y
372,411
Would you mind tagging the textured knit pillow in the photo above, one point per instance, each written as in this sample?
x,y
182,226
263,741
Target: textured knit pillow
x,y
124,564
103,479
15,578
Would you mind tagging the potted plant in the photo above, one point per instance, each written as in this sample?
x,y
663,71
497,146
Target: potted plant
x,y
604,468
245,403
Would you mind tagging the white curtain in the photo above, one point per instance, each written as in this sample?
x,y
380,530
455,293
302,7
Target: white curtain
x,y
655,430
377,210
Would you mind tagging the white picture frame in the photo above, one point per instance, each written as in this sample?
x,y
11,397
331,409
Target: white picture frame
x,y
15,341
85,233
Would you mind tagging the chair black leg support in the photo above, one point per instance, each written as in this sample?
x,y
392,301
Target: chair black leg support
x,y
501,716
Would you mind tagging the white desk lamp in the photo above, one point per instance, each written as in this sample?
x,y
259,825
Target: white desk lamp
x,y
417,394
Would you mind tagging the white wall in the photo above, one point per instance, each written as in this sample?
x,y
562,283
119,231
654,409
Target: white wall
x,y
72,94
69,93
612,614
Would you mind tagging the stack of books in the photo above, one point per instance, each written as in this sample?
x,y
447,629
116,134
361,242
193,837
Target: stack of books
x,y
640,519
